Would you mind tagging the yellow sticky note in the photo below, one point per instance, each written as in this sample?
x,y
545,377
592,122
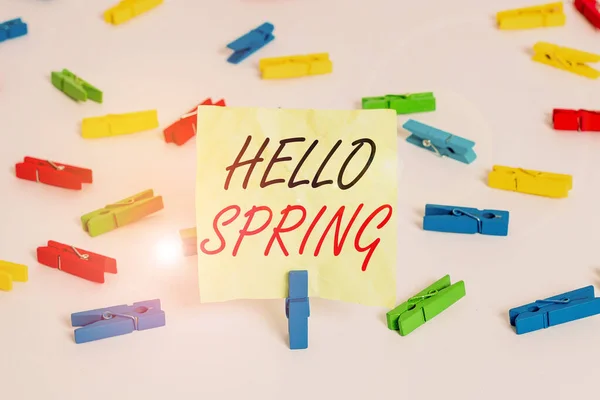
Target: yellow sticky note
x,y
280,190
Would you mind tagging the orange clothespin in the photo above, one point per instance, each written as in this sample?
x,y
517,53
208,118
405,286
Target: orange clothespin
x,y
184,129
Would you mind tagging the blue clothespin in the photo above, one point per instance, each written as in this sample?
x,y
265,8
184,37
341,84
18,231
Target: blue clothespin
x,y
251,42
555,310
440,142
12,29
118,320
297,309
457,219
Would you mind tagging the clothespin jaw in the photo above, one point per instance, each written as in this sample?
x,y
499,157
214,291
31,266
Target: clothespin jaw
x,y
11,272
440,142
75,87
128,9
251,42
297,309
546,15
425,305
118,124
555,310
75,261
12,29
189,241
121,213
53,173
118,320
528,181
295,66
402,103
589,9
567,59
184,129
457,219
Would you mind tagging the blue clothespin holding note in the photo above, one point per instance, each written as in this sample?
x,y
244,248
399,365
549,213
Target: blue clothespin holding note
x,y
251,42
12,29
297,309
440,142
555,310
456,219
118,320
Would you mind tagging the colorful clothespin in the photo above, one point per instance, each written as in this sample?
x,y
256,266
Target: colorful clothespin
x,y
590,10
119,124
121,213
458,219
425,305
118,320
11,272
251,42
295,66
189,241
75,87
555,310
128,9
75,261
53,173
440,142
402,103
297,309
532,17
567,59
576,120
12,29
528,181
184,129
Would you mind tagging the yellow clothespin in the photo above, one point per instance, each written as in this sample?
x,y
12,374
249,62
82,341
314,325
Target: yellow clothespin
x,y
532,17
127,9
295,66
566,59
119,124
529,181
10,272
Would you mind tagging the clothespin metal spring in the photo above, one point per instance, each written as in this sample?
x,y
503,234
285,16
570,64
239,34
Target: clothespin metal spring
x,y
83,256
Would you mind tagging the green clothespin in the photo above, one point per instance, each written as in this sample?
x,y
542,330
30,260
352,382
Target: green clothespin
x,y
75,87
425,305
401,103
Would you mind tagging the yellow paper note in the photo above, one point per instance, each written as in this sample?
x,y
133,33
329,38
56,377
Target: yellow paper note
x,y
258,220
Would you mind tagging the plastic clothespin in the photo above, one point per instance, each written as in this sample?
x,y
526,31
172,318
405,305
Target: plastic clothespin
x,y
119,124
590,10
12,29
425,305
295,66
548,184
297,309
53,173
184,129
128,9
121,213
11,272
251,42
75,261
576,120
118,320
441,143
555,310
458,219
567,59
403,103
546,15
75,87
189,241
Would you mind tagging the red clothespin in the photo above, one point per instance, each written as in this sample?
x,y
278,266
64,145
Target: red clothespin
x,y
75,261
589,121
576,120
185,128
590,9
53,173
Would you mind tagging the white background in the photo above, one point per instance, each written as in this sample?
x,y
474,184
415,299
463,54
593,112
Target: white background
x,y
172,58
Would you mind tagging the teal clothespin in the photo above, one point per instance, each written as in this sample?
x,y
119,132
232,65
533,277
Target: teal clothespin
x,y
75,87
425,305
401,103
